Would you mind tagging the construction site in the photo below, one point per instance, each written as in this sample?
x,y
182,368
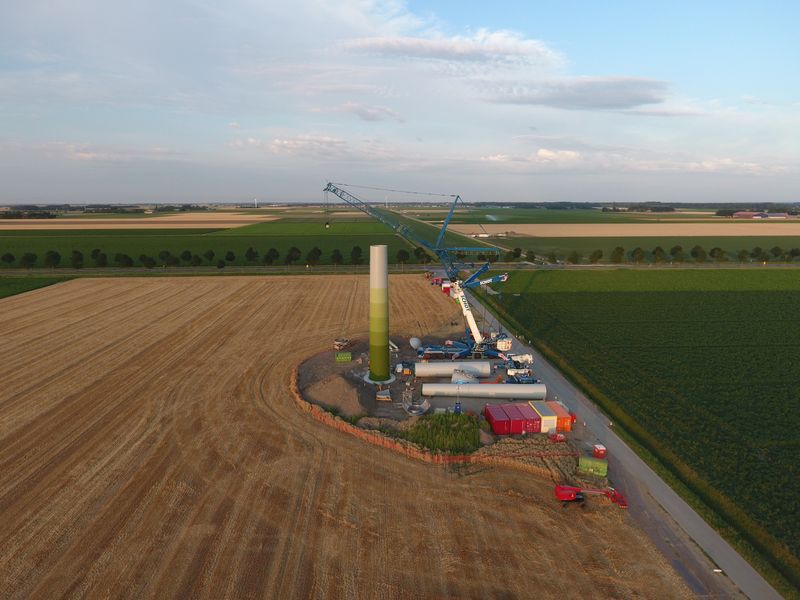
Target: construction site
x,y
188,459
387,385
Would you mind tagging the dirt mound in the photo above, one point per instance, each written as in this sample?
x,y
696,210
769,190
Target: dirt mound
x,y
561,460
378,423
336,392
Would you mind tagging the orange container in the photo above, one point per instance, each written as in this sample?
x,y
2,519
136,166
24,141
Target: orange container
x,y
563,418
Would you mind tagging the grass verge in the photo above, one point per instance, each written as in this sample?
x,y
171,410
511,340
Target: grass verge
x,y
10,286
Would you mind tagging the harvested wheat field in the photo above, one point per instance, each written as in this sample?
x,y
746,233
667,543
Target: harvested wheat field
x,y
674,229
150,448
211,219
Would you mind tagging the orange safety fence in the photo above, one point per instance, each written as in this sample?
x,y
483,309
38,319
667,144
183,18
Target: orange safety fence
x,y
406,448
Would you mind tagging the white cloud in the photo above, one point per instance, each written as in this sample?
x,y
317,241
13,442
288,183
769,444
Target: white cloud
x,y
370,113
309,145
543,159
503,46
557,156
580,93
162,72
667,111
87,152
622,160
248,142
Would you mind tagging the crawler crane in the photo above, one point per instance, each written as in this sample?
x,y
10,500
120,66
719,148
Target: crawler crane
x,y
475,344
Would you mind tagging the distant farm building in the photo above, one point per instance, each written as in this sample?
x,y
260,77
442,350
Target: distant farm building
x,y
746,214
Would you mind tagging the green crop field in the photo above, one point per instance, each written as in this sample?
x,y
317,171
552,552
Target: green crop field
x,y
700,367
309,227
10,286
429,233
563,246
543,215
281,235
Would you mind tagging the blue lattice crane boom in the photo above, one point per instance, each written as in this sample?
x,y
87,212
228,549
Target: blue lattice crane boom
x,y
448,257
358,203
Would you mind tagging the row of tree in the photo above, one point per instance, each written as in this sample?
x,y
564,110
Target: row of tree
x,y
27,214
698,254
676,254
165,258
272,256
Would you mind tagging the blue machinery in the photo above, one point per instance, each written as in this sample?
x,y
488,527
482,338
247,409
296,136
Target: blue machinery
x,y
474,345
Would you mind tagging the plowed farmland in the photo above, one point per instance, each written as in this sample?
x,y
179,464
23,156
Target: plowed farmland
x,y
149,447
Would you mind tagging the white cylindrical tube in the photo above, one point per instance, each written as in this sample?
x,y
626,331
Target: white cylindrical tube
x,y
445,368
522,391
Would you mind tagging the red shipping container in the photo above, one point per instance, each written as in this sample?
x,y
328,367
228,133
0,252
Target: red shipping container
x,y
563,418
517,420
599,451
498,419
533,422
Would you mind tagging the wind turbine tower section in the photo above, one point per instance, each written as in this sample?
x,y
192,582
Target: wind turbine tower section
x,y
379,313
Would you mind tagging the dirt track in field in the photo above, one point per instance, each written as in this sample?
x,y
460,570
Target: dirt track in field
x,y
674,229
204,220
149,448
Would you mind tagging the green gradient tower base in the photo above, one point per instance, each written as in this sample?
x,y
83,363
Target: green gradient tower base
x,y
379,314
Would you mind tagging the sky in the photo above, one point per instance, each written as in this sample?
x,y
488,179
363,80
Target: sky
x,y
585,101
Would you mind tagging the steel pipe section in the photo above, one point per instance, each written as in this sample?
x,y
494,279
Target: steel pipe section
x,y
379,313
444,368
520,391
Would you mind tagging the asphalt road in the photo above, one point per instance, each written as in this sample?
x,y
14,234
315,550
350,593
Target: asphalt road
x,y
659,510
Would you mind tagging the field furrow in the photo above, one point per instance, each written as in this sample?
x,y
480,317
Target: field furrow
x,y
157,452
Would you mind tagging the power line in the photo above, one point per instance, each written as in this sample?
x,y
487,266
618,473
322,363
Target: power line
x,y
380,189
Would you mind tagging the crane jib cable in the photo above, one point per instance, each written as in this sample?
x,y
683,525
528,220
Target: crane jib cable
x,y
380,189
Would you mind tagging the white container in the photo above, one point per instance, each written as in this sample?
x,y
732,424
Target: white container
x,y
504,345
